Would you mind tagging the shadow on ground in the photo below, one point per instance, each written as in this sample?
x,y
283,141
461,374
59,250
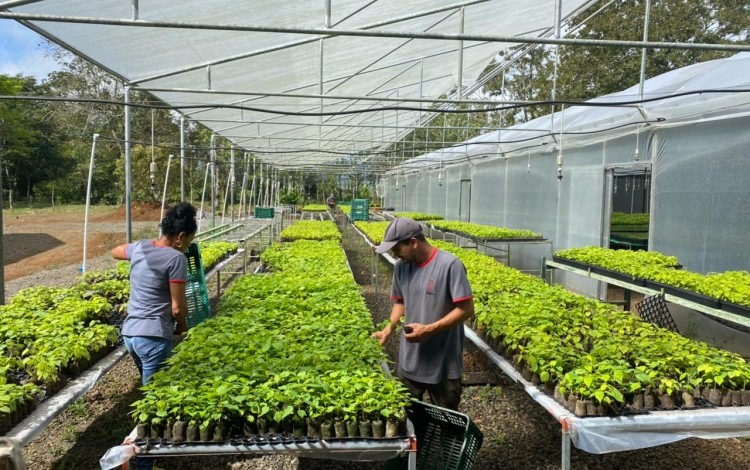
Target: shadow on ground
x,y
18,246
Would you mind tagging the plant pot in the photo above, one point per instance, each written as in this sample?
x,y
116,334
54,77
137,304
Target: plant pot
x,y
262,426
745,397
714,396
688,400
697,392
178,431
378,428
352,429
736,397
326,429
249,428
339,428
600,410
299,428
549,388
205,434
649,403
274,427
220,432
192,434
391,428
581,408
637,401
526,373
558,396
168,430
365,428
726,398
591,408
313,429
4,423
157,431
666,401
142,431
572,400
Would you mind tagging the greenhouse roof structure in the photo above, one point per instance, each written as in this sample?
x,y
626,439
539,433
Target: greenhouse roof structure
x,y
296,83
700,92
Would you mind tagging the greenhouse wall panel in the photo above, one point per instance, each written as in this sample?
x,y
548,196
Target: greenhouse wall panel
x,y
700,195
489,193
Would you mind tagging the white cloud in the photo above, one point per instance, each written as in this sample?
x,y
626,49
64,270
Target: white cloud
x,y
22,51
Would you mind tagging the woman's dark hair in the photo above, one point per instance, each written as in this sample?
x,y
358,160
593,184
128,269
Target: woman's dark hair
x,y
180,218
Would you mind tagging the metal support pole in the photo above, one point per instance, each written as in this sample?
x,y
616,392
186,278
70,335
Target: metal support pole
x,y
128,176
644,50
461,58
327,6
565,464
134,5
213,180
2,258
231,182
558,10
88,203
182,158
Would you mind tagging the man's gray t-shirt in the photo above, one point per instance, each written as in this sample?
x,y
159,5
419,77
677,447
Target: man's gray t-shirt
x,y
152,269
429,292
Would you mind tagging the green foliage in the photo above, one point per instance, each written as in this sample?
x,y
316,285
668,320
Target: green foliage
x,y
419,216
213,252
315,208
290,197
483,232
374,230
732,286
286,346
589,348
623,218
311,230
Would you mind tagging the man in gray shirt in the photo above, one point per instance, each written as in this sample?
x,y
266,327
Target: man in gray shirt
x,y
430,289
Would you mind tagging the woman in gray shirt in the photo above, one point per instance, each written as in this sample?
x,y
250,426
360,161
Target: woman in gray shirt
x,y
158,273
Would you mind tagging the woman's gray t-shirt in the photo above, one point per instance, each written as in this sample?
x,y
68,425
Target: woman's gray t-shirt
x,y
152,269
429,292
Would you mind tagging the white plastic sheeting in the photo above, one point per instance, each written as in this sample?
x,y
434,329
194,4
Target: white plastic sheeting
x,y
695,146
264,68
619,433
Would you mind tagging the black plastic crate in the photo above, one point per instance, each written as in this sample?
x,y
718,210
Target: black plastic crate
x,y
446,439
654,310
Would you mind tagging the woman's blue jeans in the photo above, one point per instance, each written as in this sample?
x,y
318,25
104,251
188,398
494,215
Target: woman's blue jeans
x,y
149,354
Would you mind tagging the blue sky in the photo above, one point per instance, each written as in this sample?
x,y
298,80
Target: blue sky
x,y
21,51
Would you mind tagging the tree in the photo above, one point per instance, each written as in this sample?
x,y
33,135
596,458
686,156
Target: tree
x,y
29,149
586,72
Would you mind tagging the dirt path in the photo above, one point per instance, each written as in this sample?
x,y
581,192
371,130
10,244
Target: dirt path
x,y
34,241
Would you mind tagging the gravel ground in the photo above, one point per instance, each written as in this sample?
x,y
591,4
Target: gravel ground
x,y
518,433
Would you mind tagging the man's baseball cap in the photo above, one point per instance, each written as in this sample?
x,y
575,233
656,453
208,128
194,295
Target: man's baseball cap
x,y
400,229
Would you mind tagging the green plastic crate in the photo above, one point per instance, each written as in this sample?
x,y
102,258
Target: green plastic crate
x,y
360,209
446,439
264,212
196,292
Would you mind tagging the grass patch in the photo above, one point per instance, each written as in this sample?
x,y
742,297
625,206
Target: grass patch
x,y
22,209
